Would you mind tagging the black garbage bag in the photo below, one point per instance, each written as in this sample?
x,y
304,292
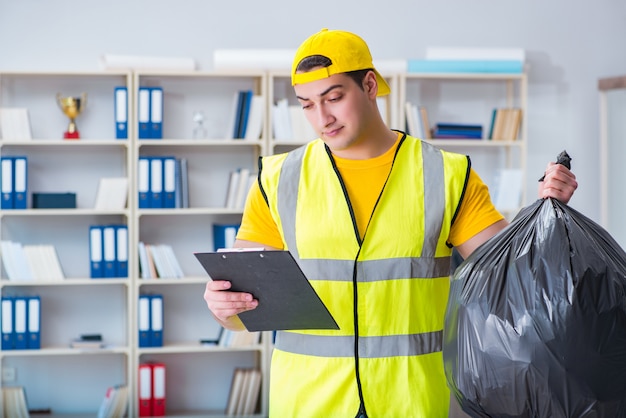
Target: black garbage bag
x,y
536,321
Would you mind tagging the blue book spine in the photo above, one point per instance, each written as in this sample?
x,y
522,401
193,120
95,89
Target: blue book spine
x,y
121,251
8,323
20,182
6,179
239,113
143,182
34,322
96,252
156,112
245,113
143,113
492,122
109,250
224,235
156,320
121,112
169,182
156,182
20,313
466,66
143,313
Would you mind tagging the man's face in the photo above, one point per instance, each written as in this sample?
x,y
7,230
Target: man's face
x,y
337,109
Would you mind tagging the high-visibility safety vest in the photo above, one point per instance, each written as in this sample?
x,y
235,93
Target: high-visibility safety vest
x,y
387,291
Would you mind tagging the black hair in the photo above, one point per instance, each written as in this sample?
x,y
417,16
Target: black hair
x,y
315,61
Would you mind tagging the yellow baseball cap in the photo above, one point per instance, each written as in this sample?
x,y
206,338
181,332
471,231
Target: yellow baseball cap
x,y
347,52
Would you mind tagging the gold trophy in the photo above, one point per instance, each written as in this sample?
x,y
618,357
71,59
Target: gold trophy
x,y
72,107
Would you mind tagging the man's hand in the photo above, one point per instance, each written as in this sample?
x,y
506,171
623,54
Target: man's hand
x,y
559,183
226,305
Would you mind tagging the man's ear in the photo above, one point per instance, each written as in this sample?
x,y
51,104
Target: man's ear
x,y
370,84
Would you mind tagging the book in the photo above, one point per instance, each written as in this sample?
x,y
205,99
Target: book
x,y
301,129
286,298
15,124
252,391
506,124
244,113
465,66
241,191
475,53
457,130
14,402
231,191
236,390
112,193
115,402
255,120
281,121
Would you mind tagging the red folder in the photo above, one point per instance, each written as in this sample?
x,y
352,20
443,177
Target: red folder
x,y
158,389
145,390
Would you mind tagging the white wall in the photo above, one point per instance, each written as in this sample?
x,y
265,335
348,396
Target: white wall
x,y
569,43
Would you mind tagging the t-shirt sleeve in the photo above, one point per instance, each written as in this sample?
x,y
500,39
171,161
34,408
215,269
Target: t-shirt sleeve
x,y
476,212
257,224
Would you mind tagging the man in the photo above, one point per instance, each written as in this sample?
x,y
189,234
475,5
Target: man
x,y
371,215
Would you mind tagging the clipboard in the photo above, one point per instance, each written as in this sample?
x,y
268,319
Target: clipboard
x,y
287,301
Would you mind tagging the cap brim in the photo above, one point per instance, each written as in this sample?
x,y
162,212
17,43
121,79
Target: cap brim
x,y
383,87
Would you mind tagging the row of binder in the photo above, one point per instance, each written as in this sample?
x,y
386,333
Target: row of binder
x,y
150,112
108,251
21,319
162,182
151,393
14,182
150,320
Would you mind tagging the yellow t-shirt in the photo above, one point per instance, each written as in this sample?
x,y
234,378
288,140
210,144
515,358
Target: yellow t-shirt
x,y
364,180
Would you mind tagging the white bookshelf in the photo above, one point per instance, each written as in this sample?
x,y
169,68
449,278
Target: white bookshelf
x,y
198,376
207,370
471,98
76,305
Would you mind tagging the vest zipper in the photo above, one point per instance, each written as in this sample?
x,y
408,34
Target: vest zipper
x,y
362,412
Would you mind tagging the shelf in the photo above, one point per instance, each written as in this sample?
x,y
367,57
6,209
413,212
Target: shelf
x,y
198,376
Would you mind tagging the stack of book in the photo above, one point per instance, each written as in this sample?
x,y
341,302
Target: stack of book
x,y
505,124
243,338
458,131
158,262
244,392
30,262
239,184
246,116
290,124
115,402
15,124
417,121
469,60
14,402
